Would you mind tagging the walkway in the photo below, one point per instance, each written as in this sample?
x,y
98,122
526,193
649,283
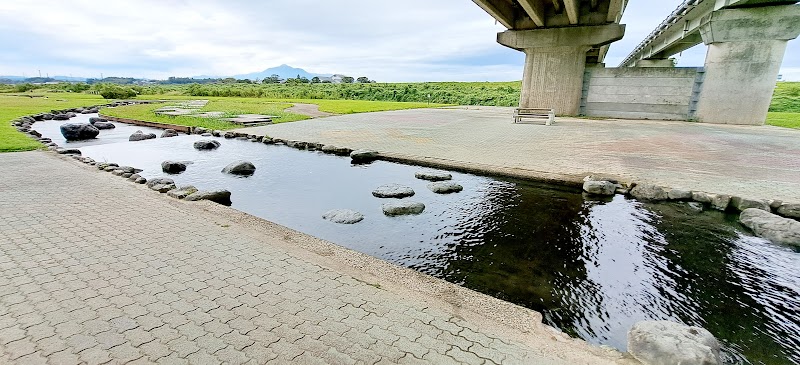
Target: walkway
x,y
95,269
754,162
309,110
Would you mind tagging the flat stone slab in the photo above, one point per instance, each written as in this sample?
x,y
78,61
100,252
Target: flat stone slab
x,y
402,208
445,187
343,216
393,191
433,176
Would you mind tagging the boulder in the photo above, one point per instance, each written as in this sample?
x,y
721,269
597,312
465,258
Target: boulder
x,y
393,191
402,208
433,176
104,125
696,207
217,196
240,168
141,136
649,192
169,133
770,226
229,135
669,343
47,116
789,210
161,185
606,188
343,216
68,151
173,167
94,120
140,180
134,177
679,194
206,144
199,130
182,192
445,187
361,156
61,117
79,131
741,204
217,133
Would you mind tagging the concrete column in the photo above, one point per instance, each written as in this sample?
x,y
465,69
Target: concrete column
x,y
745,51
555,60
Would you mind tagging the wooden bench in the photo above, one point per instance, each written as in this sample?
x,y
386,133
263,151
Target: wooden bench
x,y
538,114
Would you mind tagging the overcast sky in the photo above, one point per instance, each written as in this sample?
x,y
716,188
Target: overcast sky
x,y
409,40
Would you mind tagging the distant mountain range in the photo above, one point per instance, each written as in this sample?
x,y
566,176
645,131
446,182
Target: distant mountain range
x,y
283,71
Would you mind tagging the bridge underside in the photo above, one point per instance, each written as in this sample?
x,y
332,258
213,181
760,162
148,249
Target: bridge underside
x,y
559,38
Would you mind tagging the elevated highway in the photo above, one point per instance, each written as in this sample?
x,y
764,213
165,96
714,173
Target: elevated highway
x,y
559,38
746,42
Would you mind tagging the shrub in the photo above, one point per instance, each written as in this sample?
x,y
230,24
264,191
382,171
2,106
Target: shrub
x,y
110,91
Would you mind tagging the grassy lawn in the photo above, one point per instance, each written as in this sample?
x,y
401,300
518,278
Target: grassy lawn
x,y
230,106
329,106
13,106
784,119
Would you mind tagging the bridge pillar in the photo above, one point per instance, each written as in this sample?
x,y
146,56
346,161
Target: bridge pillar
x,y
745,51
655,63
555,60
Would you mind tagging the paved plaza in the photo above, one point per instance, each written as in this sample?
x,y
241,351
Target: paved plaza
x,y
95,269
761,162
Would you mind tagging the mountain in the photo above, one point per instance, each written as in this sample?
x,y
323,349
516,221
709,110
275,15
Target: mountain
x,y
36,79
13,78
284,71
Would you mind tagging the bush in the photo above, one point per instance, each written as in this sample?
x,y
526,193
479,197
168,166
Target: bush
x,y
109,91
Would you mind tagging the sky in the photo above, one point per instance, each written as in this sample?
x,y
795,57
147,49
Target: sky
x,y
409,40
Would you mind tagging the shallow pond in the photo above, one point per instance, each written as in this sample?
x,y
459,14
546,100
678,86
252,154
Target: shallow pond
x,y
593,268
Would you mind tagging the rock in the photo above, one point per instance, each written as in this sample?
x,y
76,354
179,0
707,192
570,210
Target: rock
x,y
649,192
173,167
771,226
740,204
445,187
433,176
61,117
199,130
182,192
206,144
701,197
134,177
72,115
775,204
217,196
678,194
104,125
169,133
161,185
696,207
140,180
140,136
343,216
118,172
68,151
103,165
126,175
217,133
94,120
717,201
240,168
267,140
669,343
207,135
47,116
789,210
606,188
87,160
35,133
360,156
229,135
402,208
393,191
79,131
128,169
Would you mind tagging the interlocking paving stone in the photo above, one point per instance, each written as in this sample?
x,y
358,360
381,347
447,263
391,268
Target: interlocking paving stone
x,y
166,285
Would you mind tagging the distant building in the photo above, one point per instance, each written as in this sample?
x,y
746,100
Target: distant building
x,y
337,78
780,77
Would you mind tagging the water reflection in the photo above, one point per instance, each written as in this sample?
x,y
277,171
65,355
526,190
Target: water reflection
x,y
593,268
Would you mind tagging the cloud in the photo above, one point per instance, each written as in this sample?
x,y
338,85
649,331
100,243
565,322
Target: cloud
x,y
412,40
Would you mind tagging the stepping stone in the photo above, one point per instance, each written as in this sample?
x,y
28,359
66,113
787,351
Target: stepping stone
x,y
433,176
343,216
402,208
393,191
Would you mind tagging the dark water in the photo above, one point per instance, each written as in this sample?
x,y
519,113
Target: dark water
x,y
593,268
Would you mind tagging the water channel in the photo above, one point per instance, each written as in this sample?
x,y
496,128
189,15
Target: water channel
x,y
592,267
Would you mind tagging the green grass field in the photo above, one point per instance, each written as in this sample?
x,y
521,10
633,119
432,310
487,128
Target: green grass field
x,y
12,107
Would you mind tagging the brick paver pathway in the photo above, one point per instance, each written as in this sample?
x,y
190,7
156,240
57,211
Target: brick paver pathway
x,y
94,269
755,162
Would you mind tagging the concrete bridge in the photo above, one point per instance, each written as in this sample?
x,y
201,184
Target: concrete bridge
x,y
565,42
